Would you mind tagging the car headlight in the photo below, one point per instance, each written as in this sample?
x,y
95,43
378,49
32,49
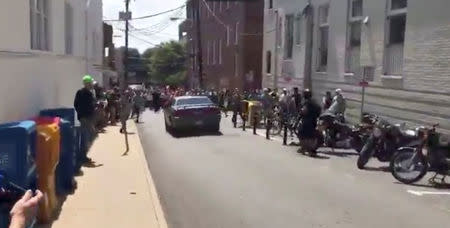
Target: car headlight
x,y
377,132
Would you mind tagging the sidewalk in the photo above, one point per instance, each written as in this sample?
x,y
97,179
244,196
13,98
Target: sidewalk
x,y
118,192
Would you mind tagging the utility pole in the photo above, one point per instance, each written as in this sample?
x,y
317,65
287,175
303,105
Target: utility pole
x,y
127,4
124,99
199,46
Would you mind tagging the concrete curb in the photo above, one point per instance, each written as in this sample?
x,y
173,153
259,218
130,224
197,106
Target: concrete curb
x,y
162,223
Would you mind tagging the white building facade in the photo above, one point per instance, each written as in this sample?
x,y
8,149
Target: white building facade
x,y
404,45
45,48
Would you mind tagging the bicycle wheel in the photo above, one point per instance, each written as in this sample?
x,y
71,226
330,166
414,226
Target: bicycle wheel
x,y
276,126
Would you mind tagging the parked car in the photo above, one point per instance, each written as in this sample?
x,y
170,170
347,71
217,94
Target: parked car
x,y
187,112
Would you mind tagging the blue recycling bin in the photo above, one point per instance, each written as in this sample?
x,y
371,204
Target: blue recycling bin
x,y
18,152
64,113
66,167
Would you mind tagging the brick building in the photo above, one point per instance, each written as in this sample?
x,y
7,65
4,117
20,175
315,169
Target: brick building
x,y
231,43
324,45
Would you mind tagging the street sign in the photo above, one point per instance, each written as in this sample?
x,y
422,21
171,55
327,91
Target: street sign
x,y
124,16
364,84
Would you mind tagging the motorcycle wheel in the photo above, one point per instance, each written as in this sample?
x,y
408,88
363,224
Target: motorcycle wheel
x,y
365,154
411,173
329,142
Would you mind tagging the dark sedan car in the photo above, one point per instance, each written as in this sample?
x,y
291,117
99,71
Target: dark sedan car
x,y
188,112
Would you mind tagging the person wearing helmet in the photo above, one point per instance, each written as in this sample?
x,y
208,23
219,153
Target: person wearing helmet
x,y
84,104
338,105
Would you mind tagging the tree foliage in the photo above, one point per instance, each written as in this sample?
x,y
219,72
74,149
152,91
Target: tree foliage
x,y
167,63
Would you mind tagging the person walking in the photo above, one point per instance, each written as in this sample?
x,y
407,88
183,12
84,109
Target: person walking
x,y
84,104
138,103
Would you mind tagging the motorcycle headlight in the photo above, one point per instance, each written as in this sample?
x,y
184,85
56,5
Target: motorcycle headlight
x,y
377,132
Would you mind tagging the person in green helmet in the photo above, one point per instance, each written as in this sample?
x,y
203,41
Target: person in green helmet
x,y
85,106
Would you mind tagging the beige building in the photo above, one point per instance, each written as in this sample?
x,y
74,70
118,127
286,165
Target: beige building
x,y
46,47
404,45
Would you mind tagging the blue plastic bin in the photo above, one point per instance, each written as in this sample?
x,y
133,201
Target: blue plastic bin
x,y
66,167
64,113
18,152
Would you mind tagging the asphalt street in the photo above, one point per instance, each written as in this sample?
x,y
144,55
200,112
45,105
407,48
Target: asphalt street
x,y
236,179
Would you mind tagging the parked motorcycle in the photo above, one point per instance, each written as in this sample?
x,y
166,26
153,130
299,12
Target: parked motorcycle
x,y
411,164
384,141
338,134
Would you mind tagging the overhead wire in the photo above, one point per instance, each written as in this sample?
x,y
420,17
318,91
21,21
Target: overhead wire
x,y
149,16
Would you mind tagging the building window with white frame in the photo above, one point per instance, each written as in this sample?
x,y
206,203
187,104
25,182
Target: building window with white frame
x,y
323,38
39,25
268,62
288,36
69,28
228,35
353,44
236,34
236,65
208,51
214,52
395,37
298,29
220,52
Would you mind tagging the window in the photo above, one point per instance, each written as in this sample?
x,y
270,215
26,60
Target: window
x,y
214,52
39,25
268,62
397,29
323,38
289,36
395,37
236,38
270,4
236,65
69,28
298,29
220,52
323,14
355,17
208,50
398,4
355,34
228,35
357,8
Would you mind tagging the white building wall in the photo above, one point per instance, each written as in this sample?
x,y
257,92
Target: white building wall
x,y
33,80
419,96
290,73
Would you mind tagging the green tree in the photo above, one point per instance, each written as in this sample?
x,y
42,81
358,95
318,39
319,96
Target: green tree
x,y
167,63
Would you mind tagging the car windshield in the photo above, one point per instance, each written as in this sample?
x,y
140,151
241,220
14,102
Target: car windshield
x,y
194,101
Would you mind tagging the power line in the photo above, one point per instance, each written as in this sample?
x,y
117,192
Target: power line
x,y
153,15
